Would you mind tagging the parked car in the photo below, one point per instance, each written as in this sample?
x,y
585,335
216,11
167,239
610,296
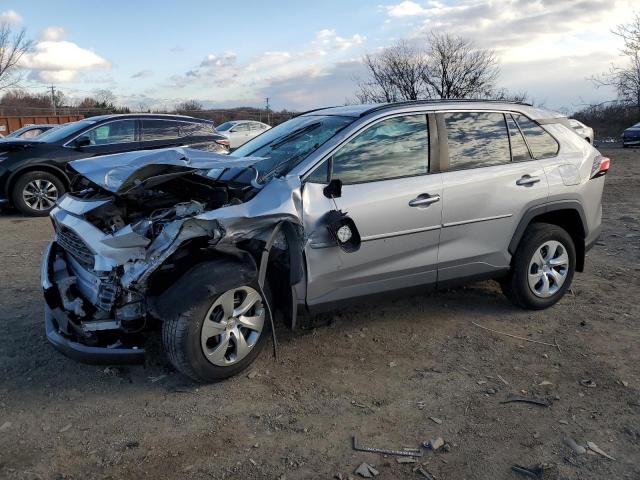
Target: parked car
x,y
631,136
582,130
29,131
333,206
32,171
240,132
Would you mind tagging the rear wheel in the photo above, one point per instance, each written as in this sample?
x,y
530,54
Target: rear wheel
x,y
543,267
220,336
36,193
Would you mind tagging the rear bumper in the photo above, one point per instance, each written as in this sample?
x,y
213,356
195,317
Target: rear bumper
x,y
58,326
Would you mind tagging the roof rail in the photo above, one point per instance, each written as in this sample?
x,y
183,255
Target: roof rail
x,y
435,101
315,110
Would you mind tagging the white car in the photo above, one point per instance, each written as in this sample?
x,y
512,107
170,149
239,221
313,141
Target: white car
x,y
582,130
240,132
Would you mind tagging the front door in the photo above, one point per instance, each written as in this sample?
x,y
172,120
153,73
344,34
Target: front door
x,y
111,137
489,180
395,204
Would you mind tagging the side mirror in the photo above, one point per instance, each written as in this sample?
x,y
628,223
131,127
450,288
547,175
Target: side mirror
x,y
82,141
334,189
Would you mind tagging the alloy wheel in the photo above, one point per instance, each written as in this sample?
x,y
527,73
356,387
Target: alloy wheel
x,y
548,269
40,194
232,326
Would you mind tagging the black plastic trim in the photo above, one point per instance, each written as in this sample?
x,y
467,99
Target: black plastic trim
x,y
540,210
84,353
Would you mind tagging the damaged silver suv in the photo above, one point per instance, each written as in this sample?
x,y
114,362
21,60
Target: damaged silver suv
x,y
334,205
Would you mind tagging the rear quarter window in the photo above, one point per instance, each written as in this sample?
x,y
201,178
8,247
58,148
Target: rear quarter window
x,y
541,143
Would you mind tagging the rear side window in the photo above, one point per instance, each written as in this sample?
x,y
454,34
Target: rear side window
x,y
541,143
393,148
477,139
194,129
159,130
241,127
519,150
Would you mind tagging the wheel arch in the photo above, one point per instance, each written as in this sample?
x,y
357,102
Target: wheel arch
x,y
38,167
568,215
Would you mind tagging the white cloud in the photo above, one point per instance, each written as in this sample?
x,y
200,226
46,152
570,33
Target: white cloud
x,y
224,60
53,34
406,9
329,39
60,60
143,74
10,16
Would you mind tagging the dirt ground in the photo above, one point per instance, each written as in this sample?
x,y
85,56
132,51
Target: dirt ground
x,y
378,371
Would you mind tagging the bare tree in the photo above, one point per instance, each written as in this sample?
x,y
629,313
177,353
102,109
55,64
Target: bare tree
x,y
12,47
106,97
396,73
625,79
446,67
188,106
458,69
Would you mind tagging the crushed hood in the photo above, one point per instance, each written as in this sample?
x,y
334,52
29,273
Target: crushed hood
x,y
120,172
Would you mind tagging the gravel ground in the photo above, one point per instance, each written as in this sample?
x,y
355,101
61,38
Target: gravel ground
x,y
379,371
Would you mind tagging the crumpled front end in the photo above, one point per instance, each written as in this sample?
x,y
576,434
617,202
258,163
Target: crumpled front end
x,y
129,231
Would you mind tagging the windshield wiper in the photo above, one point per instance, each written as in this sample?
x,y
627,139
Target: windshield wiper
x,y
293,134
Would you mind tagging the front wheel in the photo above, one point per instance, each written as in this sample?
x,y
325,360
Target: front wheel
x,y
543,267
218,337
36,193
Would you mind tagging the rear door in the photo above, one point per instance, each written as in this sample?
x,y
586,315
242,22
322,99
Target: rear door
x,y
489,180
160,133
394,201
239,134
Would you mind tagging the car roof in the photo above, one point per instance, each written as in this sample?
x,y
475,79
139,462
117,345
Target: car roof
x,y
445,104
161,116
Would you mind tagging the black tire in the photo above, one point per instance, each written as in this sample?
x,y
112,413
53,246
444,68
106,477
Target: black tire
x,y
181,340
24,180
516,286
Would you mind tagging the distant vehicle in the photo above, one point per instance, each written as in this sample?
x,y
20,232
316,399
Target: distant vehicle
x,y
29,131
32,171
631,136
582,130
240,132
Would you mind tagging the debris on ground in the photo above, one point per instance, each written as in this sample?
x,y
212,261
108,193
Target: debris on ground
x,y
534,401
573,445
5,426
545,383
132,444
502,380
555,344
157,378
406,460
65,428
366,471
436,420
540,470
595,448
386,451
434,444
491,391
420,470
588,382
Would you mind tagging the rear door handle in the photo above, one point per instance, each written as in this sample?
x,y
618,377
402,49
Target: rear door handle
x,y
527,180
423,200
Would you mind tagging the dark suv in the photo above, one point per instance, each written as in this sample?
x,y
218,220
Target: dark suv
x,y
33,174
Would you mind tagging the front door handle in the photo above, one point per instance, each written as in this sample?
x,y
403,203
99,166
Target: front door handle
x,y
527,180
423,200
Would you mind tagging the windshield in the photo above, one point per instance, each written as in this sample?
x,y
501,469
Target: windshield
x,y
286,145
63,131
223,127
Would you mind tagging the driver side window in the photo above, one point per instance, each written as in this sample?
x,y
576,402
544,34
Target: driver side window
x,y
122,131
393,148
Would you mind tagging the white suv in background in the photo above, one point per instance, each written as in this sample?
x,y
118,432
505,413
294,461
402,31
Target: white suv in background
x,y
240,132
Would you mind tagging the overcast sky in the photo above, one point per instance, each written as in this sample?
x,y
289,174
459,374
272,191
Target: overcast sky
x,y
303,55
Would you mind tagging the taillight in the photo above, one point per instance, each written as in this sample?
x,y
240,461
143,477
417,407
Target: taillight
x,y
600,166
224,143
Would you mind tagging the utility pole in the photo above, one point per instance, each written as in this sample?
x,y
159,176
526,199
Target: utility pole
x,y
53,98
268,119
